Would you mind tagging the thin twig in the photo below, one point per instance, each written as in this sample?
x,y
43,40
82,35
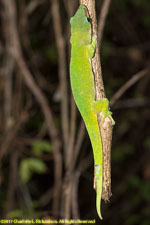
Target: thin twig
x,y
11,134
131,103
102,20
71,153
70,5
78,144
60,43
9,19
129,84
32,5
12,182
68,198
75,206
9,66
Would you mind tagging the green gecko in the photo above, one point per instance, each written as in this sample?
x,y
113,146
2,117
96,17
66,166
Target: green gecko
x,y
83,88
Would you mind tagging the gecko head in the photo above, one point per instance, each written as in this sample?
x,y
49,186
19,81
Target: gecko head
x,y
83,10
80,25
81,18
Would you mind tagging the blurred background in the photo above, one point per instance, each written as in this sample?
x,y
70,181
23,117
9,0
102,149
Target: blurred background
x,y
46,161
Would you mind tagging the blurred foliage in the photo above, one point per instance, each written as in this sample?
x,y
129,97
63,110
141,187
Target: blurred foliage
x,y
39,147
29,166
125,50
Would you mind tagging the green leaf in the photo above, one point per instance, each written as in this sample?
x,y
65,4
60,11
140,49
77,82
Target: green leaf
x,y
29,166
37,165
41,146
25,172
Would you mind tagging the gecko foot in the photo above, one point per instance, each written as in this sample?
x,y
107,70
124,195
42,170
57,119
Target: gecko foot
x,y
102,105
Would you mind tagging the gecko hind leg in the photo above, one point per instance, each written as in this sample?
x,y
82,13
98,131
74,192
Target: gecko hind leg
x,y
102,105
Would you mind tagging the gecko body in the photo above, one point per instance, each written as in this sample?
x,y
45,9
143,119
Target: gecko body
x,y
83,88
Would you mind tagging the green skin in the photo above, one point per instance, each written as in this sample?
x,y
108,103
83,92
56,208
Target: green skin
x,y
83,88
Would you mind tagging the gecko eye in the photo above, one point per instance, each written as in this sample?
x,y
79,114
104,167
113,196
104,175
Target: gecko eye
x,y
88,19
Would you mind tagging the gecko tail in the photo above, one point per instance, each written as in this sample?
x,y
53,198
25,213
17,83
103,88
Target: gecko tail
x,y
98,196
94,133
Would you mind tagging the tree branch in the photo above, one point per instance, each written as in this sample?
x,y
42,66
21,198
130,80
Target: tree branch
x,y
106,127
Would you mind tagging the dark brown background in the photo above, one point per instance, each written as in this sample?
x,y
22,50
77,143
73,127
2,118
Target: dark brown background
x,y
46,162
